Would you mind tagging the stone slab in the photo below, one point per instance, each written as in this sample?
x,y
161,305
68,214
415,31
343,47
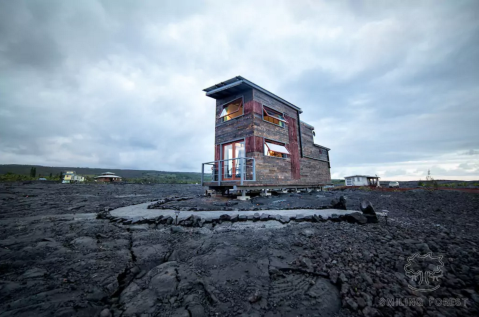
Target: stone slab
x,y
141,211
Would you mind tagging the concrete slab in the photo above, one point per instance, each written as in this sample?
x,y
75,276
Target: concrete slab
x,y
141,211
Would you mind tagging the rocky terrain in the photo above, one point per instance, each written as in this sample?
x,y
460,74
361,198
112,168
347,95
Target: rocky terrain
x,y
58,259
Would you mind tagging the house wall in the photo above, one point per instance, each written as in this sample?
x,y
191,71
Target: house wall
x,y
310,149
254,130
236,128
274,170
315,161
314,171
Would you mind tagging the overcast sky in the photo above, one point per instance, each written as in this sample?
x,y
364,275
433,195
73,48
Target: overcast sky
x,y
391,87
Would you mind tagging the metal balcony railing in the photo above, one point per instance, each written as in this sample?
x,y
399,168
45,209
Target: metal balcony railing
x,y
238,169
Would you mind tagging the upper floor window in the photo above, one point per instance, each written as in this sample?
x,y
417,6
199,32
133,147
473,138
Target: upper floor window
x,y
273,116
232,110
272,148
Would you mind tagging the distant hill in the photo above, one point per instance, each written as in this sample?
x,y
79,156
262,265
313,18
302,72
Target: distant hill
x,y
127,174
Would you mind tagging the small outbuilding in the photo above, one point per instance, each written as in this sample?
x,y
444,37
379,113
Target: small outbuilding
x,y
108,177
72,177
362,180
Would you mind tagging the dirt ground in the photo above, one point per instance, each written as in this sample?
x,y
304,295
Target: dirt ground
x,y
58,259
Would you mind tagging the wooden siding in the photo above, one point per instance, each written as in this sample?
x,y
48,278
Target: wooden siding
x,y
310,150
271,171
217,152
274,104
293,148
237,128
254,144
252,106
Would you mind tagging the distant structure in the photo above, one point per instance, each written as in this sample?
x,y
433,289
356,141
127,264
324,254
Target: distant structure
x,y
362,180
261,142
108,177
71,177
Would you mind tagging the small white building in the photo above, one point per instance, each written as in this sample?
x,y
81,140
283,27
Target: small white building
x,y
72,177
362,180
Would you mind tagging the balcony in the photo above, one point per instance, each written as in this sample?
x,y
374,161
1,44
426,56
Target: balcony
x,y
230,171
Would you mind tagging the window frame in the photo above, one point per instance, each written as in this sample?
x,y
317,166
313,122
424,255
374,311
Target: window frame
x,y
283,155
222,106
265,110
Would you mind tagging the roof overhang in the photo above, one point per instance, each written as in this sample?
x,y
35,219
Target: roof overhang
x,y
238,84
320,146
362,176
108,176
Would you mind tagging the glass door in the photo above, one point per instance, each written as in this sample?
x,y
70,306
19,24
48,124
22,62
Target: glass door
x,y
239,152
228,164
232,167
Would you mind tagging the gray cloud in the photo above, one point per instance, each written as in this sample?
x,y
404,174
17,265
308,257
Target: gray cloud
x,y
392,89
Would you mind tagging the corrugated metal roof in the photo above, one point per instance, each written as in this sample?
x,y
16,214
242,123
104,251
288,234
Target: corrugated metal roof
x,y
237,84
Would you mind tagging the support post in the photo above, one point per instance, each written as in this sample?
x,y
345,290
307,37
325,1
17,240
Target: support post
x,y
241,170
219,172
203,173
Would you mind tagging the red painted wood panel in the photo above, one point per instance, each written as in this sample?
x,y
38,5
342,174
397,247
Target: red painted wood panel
x,y
217,152
258,144
253,106
249,144
293,147
248,107
257,107
254,144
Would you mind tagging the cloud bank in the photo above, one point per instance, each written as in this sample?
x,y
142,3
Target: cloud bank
x,y
392,88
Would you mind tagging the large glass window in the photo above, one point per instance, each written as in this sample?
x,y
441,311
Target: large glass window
x,y
273,116
232,110
233,165
272,148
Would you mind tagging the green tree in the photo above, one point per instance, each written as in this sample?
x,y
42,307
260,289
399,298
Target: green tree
x,y
33,172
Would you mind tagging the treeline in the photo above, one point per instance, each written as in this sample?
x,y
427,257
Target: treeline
x,y
145,177
163,179
12,177
171,178
83,171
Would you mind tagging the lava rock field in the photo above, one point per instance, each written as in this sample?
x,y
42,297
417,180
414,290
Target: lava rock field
x,y
58,259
